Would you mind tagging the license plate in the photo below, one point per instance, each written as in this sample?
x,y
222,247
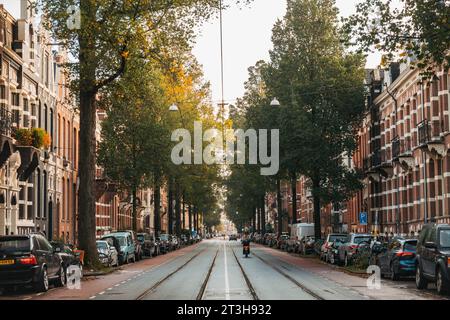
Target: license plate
x,y
6,262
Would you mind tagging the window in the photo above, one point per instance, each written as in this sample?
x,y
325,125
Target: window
x,y
15,99
44,245
3,92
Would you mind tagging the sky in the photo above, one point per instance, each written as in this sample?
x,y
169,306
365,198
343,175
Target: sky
x,y
247,38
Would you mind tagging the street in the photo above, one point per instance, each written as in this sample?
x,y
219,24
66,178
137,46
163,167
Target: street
x,y
216,270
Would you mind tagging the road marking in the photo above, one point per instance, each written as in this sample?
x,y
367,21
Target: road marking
x,y
93,297
227,283
101,293
109,289
117,285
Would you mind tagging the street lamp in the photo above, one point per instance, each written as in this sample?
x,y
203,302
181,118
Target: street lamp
x,y
275,103
174,108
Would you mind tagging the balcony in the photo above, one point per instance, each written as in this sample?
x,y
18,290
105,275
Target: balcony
x,y
6,122
396,148
424,133
375,159
434,146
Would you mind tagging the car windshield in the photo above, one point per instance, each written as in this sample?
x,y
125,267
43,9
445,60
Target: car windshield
x,y
410,246
359,240
13,245
340,238
101,245
122,241
444,238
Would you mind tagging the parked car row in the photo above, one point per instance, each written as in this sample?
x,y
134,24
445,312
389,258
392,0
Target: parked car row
x,y
427,258
122,247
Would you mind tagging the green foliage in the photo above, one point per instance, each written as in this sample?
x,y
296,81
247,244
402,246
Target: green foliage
x,y
418,29
24,137
322,95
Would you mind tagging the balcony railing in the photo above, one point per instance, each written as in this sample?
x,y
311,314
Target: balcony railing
x,y
424,132
6,121
375,159
396,148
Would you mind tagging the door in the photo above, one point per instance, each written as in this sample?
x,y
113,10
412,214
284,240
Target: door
x,y
51,259
428,255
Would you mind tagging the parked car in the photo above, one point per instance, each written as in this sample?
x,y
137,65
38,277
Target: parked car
x,y
329,240
164,243
108,254
137,245
433,257
292,244
184,240
175,243
127,250
398,258
281,242
354,241
149,244
332,253
67,255
233,237
30,260
305,245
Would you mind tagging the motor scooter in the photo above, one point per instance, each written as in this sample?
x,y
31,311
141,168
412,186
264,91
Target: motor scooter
x,y
246,249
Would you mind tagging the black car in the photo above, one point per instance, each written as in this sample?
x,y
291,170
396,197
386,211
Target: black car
x,y
29,260
233,237
67,255
433,255
398,258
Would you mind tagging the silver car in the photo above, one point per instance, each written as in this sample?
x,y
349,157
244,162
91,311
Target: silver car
x,y
107,254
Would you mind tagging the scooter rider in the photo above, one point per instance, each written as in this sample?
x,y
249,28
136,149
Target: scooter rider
x,y
246,245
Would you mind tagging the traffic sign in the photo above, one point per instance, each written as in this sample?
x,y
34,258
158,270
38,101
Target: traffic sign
x,y
363,218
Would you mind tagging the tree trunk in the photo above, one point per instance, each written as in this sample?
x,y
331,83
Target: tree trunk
x,y
183,212
170,208
317,227
134,196
254,220
279,208
263,215
294,197
87,144
190,221
157,205
177,209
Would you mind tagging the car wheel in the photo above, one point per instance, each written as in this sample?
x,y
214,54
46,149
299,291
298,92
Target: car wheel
x,y
421,282
394,275
42,284
62,279
332,261
441,284
134,258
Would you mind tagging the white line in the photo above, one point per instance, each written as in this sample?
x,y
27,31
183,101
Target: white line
x,y
93,297
101,293
227,284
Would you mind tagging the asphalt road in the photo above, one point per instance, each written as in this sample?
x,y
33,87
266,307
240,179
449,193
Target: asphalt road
x,y
217,270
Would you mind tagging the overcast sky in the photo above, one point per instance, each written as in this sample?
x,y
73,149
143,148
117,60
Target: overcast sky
x,y
247,39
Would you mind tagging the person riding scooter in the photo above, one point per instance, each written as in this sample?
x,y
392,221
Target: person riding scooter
x,y
246,246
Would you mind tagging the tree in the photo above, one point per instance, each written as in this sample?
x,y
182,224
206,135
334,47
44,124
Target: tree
x,y
320,87
132,147
108,31
418,29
